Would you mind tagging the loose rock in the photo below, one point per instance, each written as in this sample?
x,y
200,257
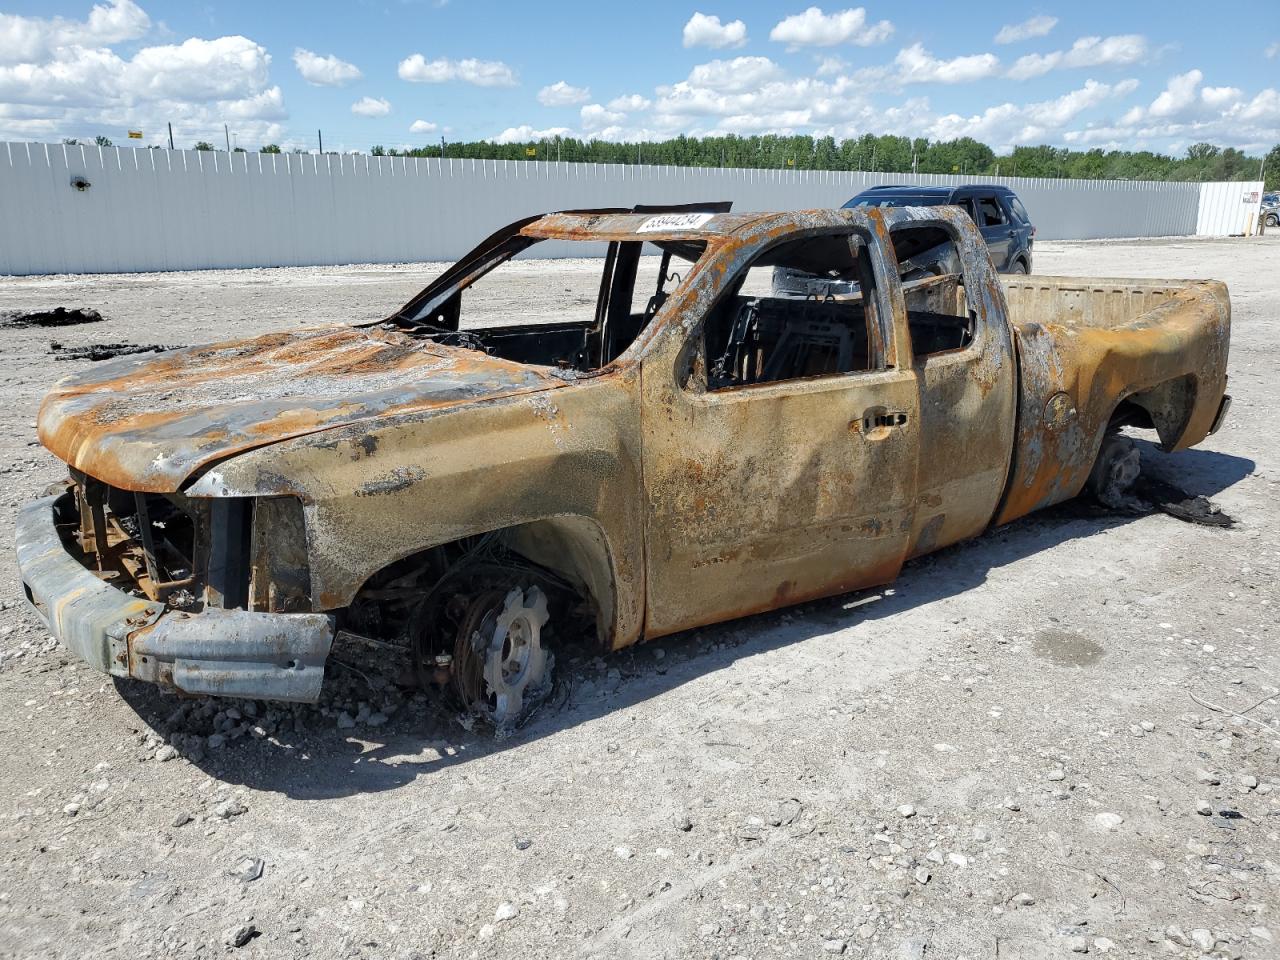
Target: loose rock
x,y
240,934
506,911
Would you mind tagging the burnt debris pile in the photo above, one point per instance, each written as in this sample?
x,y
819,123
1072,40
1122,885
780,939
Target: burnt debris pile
x,y
57,317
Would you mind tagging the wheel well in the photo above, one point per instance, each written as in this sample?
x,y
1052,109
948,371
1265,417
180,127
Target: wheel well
x,y
1130,414
1166,408
573,548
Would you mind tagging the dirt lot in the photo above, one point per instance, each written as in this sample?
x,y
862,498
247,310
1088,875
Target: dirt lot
x,y
999,757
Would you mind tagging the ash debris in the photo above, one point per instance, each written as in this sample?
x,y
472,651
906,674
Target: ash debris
x,y
104,351
1152,495
363,690
57,317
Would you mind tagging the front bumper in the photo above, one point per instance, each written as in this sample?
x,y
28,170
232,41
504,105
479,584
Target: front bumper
x,y
229,653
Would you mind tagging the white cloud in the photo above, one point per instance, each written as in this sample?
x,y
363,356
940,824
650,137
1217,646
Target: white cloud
x,y
561,94
1008,125
267,105
31,39
629,103
324,71
1034,27
200,69
228,68
822,101
371,107
1219,98
916,65
813,28
480,73
423,126
740,73
705,31
831,66
1273,51
596,117
525,133
1181,93
1265,107
1120,50
1186,112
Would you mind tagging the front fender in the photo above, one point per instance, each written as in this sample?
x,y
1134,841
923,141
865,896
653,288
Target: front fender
x,y
376,493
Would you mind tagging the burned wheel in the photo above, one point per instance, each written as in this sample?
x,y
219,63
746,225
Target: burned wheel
x,y
480,639
500,664
1115,471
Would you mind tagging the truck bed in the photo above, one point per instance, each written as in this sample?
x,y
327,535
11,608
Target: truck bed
x,y
1094,352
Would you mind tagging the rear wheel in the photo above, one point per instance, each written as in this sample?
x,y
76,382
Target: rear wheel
x,y
1273,220
1115,471
1018,267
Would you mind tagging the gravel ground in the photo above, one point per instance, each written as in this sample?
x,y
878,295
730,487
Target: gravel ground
x,y
1050,741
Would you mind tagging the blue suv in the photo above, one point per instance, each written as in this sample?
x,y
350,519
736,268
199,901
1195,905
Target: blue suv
x,y
999,214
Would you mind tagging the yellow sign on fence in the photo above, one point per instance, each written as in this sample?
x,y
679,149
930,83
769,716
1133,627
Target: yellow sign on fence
x,y
530,151
135,134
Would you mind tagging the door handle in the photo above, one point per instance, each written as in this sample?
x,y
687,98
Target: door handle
x,y
877,422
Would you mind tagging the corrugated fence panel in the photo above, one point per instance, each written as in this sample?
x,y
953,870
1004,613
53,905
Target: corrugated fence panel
x,y
186,209
1229,208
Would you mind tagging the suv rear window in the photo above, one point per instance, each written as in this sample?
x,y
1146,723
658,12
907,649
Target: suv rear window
x,y
1019,210
992,214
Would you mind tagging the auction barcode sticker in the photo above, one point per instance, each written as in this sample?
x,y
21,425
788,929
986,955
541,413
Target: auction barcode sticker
x,y
674,221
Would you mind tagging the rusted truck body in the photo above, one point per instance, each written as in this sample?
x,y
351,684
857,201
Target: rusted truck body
x,y
699,454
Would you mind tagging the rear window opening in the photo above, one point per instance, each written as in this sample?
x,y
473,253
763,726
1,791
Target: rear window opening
x,y
929,265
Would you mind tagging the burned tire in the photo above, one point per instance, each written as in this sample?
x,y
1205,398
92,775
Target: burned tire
x,y
1018,267
479,639
1115,471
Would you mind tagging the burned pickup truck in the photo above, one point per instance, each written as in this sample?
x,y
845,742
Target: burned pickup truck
x,y
693,449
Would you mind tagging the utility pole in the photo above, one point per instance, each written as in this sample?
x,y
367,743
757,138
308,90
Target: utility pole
x,y
441,147
226,132
320,137
171,136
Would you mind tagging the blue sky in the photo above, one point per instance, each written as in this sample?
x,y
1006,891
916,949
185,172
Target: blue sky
x,y
406,72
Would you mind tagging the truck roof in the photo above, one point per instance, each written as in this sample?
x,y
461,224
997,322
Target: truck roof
x,y
607,225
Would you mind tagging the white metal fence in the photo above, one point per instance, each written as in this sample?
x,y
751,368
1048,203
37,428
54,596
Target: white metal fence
x,y
81,209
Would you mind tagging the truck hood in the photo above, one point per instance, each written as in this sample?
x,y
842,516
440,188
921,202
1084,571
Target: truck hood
x,y
149,423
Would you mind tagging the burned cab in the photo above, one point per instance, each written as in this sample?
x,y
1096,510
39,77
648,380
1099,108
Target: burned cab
x,y
655,438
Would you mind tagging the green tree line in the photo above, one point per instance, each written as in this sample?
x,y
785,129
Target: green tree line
x,y
965,156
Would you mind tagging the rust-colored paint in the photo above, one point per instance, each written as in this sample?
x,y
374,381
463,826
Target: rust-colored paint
x,y
689,505
148,424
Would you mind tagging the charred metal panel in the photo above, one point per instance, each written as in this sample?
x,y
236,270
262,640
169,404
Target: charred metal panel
x,y
281,573
967,395
229,528
89,616
377,493
770,494
148,424
235,653
1094,343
